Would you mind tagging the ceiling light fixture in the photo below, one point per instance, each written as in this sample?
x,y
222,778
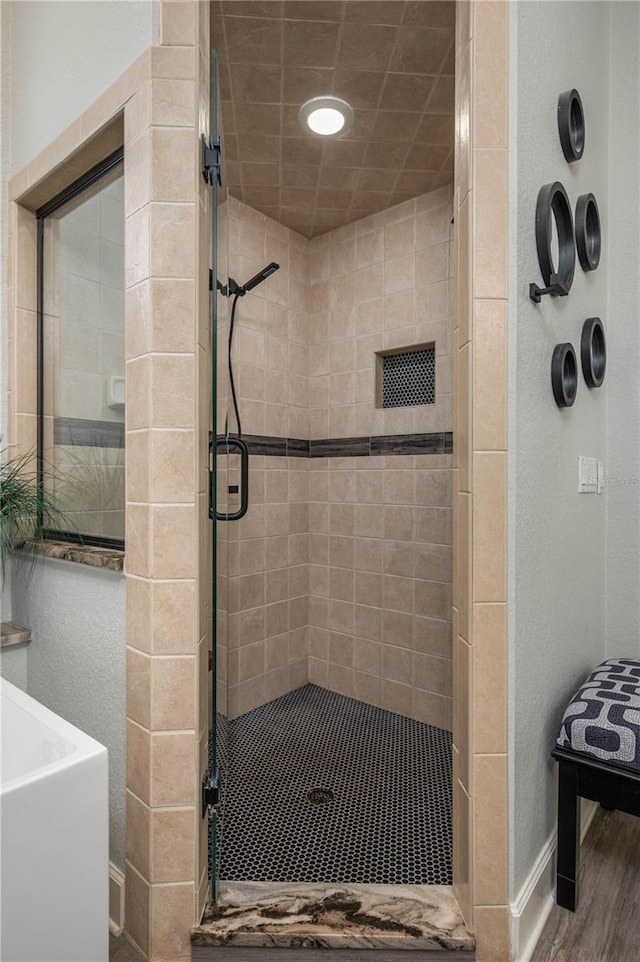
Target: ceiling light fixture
x,y
326,116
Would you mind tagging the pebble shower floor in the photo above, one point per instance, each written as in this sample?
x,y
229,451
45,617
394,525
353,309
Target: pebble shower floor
x,y
318,787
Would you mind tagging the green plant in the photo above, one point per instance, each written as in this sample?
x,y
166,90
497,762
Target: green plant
x,y
26,509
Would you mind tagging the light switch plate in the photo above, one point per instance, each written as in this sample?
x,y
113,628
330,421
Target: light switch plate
x,y
587,475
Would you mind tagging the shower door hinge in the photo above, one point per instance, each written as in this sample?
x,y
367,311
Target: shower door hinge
x,y
210,159
210,791
219,285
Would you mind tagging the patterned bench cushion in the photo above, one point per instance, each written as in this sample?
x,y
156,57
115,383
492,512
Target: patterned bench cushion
x,y
603,718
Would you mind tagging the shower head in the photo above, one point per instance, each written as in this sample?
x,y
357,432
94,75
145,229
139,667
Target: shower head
x,y
259,277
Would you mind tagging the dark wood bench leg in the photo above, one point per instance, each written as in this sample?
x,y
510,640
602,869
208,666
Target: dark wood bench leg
x,y
568,836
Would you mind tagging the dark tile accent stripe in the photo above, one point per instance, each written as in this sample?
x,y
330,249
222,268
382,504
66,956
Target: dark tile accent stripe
x,y
269,446
82,432
297,448
265,446
340,448
408,444
438,442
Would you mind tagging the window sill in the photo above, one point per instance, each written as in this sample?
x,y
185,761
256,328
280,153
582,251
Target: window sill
x,y
108,558
12,634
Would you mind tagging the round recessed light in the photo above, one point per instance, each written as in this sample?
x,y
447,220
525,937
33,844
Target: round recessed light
x,y
326,116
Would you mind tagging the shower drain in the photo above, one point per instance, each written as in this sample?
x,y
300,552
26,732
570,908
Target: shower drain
x,y
320,796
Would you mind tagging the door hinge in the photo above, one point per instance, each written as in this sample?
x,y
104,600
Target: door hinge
x,y
210,791
219,285
210,155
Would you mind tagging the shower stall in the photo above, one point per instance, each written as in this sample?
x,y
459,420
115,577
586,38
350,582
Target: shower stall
x,y
331,451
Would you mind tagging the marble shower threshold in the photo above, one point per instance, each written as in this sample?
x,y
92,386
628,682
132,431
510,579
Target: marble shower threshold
x,y
346,921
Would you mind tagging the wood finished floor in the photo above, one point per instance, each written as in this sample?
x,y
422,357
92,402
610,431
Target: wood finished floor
x,y
605,926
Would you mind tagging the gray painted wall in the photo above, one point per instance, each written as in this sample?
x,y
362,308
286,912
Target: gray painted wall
x,y
623,332
17,661
557,537
13,662
76,660
64,55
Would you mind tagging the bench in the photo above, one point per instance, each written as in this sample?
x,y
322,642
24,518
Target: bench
x,y
598,754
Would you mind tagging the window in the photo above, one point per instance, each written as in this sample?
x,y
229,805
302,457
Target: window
x,y
81,355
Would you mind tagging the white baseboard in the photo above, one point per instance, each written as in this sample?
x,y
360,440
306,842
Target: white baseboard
x,y
116,900
536,898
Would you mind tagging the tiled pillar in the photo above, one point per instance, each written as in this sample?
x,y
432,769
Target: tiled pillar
x,y
480,640
167,524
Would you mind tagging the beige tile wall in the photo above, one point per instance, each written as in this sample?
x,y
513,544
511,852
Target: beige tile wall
x,y
380,582
347,561
270,347
480,623
380,546
268,555
265,555
383,282
305,342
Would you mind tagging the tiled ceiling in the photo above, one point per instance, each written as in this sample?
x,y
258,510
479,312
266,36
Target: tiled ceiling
x,y
392,60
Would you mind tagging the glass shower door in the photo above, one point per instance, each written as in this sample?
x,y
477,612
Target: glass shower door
x,y
213,798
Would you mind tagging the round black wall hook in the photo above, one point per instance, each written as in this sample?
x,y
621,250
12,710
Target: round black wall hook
x,y
564,375
553,203
588,233
593,352
571,125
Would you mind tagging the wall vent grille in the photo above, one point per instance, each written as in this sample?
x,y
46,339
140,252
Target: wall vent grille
x,y
409,377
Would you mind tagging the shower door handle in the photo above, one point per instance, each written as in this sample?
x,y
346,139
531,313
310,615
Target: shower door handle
x,y
226,443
